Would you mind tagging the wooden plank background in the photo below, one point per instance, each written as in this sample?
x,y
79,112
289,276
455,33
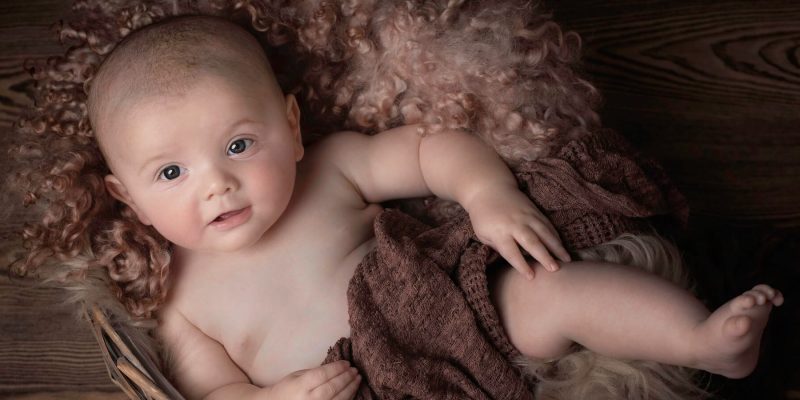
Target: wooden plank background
x,y
711,89
44,353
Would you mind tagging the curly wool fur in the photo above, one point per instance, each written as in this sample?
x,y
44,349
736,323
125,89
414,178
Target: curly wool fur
x,y
505,73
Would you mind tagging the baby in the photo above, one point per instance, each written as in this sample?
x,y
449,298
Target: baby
x,y
203,145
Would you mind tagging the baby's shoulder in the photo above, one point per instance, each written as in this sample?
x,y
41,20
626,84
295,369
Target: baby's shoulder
x,y
336,148
378,167
185,288
334,162
182,308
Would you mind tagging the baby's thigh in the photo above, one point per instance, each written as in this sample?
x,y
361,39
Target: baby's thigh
x,y
530,311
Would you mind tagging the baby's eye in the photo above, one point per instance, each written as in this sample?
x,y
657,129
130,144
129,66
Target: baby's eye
x,y
239,146
170,172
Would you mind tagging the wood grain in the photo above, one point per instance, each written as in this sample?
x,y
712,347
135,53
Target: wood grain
x,y
710,89
25,32
43,347
44,350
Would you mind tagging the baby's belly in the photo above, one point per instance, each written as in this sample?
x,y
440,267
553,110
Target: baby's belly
x,y
300,336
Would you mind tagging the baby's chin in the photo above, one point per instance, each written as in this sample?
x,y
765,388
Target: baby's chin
x,y
232,242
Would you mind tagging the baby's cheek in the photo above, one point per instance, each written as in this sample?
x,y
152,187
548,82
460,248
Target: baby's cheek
x,y
178,226
270,186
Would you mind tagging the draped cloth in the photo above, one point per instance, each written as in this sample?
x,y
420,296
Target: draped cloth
x,y
422,322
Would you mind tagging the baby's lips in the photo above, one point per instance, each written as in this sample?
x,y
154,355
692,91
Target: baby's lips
x,y
227,214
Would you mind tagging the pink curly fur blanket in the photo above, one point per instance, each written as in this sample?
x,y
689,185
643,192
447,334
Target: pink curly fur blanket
x,y
422,324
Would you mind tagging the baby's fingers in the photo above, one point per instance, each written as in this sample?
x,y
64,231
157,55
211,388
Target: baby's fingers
x,y
509,250
533,245
350,390
545,229
320,375
336,386
549,236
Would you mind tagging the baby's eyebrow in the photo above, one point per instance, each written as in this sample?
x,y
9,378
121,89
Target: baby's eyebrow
x,y
238,123
151,160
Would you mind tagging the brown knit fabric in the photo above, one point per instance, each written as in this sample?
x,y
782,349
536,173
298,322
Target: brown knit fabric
x,y
599,187
422,324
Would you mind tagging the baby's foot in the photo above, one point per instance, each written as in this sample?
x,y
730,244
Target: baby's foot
x,y
729,339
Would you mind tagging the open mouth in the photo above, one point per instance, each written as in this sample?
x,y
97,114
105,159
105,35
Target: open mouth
x,y
223,217
231,219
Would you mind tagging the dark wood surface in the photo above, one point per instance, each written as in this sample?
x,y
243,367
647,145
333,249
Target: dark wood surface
x,y
44,353
711,89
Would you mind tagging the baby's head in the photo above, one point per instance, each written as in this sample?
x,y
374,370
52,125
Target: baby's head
x,y
199,138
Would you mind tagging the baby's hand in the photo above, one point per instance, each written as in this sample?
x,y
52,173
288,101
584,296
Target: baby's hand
x,y
334,381
502,218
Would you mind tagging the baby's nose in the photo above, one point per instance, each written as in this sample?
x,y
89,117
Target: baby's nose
x,y
219,183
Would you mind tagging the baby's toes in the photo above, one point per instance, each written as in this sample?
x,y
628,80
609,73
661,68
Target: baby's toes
x,y
769,293
737,326
766,289
778,299
744,301
759,296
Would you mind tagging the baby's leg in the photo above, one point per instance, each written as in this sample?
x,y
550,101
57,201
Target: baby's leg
x,y
627,313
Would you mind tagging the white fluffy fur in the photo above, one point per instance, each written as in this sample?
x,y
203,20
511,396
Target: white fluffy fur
x,y
584,374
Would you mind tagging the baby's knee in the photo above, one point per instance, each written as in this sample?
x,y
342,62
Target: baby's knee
x,y
509,286
528,311
544,347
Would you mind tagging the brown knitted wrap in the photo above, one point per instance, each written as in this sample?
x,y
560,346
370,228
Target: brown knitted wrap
x,y
599,187
422,323
592,190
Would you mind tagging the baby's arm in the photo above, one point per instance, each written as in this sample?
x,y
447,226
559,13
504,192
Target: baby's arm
x,y
453,165
203,369
460,167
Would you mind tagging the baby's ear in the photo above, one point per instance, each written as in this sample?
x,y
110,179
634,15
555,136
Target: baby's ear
x,y
293,116
120,192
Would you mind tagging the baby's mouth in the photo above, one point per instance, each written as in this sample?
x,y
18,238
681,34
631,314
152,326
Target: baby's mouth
x,y
224,216
231,219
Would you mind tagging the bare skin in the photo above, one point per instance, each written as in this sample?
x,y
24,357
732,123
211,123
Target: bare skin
x,y
291,296
627,313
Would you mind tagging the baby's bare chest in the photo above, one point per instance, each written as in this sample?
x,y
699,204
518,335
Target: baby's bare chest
x,y
288,324
281,311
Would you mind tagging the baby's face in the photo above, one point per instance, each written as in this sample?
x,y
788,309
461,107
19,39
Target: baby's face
x,y
211,170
